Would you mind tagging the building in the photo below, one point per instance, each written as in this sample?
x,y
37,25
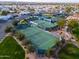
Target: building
x,y
5,18
74,16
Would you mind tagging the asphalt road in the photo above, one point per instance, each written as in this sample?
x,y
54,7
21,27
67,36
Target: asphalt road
x,y
2,28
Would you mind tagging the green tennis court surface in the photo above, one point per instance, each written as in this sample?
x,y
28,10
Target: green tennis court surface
x,y
44,24
40,38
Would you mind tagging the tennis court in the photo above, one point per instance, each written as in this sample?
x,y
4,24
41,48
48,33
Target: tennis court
x,y
40,38
44,24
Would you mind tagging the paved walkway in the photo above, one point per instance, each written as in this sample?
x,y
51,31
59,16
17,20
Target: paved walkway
x,y
72,40
20,43
1,40
68,36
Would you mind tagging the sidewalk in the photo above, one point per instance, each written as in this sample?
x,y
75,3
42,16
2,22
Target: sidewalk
x,y
4,37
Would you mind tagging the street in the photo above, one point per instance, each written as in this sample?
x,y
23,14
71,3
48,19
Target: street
x,y
2,28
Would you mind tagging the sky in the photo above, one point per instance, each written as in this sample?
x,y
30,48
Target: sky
x,y
65,1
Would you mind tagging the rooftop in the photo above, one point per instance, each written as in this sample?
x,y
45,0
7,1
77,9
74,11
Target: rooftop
x,y
5,17
74,16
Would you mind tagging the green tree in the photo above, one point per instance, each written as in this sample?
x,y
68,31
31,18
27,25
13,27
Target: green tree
x,y
20,36
30,48
26,42
49,53
61,23
68,9
75,31
8,29
32,10
23,21
5,12
72,24
15,23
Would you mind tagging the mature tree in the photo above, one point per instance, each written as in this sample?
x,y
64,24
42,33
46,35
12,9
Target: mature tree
x,y
30,48
13,32
68,9
32,18
26,42
32,10
75,31
48,15
5,12
61,23
23,21
15,23
20,36
49,53
8,29
72,24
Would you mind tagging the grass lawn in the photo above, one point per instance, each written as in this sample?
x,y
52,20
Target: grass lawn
x,y
69,52
10,49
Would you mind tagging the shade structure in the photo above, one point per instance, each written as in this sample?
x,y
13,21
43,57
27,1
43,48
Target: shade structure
x,y
40,38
